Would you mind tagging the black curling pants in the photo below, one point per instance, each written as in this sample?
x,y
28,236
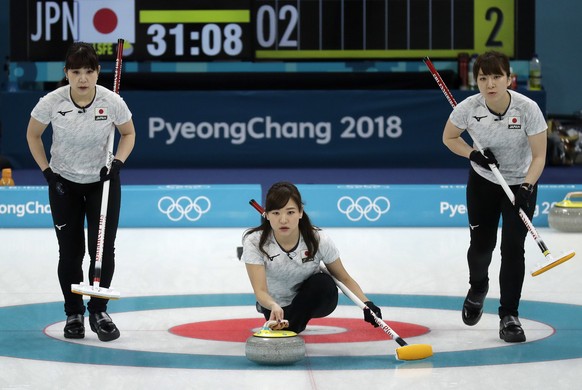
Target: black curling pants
x,y
487,202
69,211
316,298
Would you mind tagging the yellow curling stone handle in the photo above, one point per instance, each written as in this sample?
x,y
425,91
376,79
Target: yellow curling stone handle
x,y
267,332
568,202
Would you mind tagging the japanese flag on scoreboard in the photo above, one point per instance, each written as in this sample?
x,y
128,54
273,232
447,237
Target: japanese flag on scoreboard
x,y
104,21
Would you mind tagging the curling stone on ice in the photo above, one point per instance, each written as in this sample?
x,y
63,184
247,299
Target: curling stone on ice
x,y
566,216
274,347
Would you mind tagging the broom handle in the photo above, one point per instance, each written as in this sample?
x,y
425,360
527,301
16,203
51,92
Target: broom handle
x,y
106,184
385,327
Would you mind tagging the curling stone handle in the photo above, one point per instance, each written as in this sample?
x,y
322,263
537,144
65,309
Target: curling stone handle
x,y
575,194
269,325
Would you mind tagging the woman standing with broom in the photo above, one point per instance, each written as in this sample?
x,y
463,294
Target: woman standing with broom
x,y
83,116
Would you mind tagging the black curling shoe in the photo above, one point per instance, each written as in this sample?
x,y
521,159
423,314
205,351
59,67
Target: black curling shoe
x,y
75,327
510,330
473,307
102,324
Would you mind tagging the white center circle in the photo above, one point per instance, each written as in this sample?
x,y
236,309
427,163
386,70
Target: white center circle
x,y
148,331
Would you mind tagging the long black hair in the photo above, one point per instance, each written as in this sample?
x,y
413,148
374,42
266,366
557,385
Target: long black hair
x,y
277,197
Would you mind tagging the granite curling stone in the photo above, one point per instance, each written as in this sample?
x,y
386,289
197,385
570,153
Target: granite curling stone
x,y
274,347
566,216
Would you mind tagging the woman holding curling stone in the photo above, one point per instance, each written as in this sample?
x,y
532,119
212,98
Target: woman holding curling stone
x,y
283,257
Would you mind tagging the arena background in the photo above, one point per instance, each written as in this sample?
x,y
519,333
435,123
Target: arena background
x,y
178,269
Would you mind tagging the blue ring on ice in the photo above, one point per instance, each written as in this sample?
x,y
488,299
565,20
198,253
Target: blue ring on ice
x,y
22,336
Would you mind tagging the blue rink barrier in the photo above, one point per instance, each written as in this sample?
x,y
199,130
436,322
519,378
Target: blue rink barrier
x,y
227,205
145,206
405,205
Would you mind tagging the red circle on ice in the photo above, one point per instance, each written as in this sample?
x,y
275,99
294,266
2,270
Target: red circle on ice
x,y
105,21
341,330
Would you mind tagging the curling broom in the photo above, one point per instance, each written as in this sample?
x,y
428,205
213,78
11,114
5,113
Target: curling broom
x,y
95,290
405,351
550,262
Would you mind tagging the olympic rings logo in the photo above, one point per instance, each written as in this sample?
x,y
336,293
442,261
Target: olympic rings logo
x,y
184,207
363,207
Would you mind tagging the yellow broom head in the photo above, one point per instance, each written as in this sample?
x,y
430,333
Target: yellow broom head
x,y
414,352
540,269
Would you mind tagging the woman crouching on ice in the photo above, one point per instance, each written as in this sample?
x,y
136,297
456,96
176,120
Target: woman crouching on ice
x,y
283,257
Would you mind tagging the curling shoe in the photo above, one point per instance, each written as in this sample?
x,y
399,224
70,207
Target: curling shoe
x,y
510,330
473,306
102,324
75,327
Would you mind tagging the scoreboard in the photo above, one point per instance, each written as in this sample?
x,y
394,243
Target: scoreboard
x,y
363,29
279,30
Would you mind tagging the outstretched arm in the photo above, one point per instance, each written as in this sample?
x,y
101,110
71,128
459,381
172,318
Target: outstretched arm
x,y
258,278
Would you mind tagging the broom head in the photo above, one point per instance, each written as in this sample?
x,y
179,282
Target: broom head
x,y
551,263
414,352
97,292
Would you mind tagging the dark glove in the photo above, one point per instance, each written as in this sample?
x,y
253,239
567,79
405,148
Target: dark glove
x,y
113,174
368,316
523,196
484,159
54,181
